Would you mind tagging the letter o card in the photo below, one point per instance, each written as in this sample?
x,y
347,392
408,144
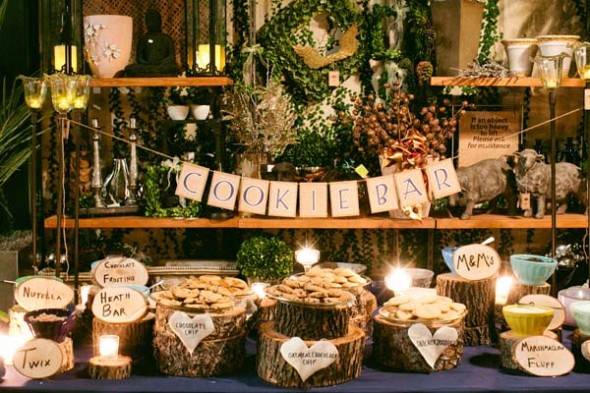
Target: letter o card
x,y
223,192
253,196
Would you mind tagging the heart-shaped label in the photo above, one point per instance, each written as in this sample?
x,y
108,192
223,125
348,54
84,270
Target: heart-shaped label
x,y
307,361
432,346
191,330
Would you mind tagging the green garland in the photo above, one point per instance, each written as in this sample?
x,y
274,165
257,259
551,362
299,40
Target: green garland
x,y
154,178
289,28
489,34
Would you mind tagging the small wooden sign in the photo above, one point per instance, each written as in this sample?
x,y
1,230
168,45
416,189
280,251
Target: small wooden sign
x,y
431,346
119,271
487,134
547,301
476,262
191,330
543,356
38,358
307,361
119,305
37,292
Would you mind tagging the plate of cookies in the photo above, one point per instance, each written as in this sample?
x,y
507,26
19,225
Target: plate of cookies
x,y
430,310
204,294
334,278
310,294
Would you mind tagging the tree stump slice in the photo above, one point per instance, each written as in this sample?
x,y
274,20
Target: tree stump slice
x,y
227,324
477,335
210,357
105,368
310,322
507,342
134,337
518,290
394,350
362,310
578,338
479,297
264,313
67,350
272,367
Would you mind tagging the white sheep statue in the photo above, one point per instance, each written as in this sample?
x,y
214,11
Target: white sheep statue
x,y
533,176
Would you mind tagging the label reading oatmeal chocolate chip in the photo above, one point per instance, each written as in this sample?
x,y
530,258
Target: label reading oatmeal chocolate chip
x,y
476,262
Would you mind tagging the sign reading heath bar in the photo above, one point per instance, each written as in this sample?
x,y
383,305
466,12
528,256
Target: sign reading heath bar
x,y
485,134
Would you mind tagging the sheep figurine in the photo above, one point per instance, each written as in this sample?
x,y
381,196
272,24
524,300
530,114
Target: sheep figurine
x,y
534,176
485,181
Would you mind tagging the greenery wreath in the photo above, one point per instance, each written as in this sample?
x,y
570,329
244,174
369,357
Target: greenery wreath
x,y
154,179
288,28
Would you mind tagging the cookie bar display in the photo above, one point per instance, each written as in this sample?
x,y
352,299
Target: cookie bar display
x,y
213,301
395,346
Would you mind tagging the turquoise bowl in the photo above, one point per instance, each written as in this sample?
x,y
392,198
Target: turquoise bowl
x,y
447,254
581,314
532,269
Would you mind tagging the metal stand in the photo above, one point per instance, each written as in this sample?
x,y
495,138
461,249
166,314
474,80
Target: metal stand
x,y
587,136
33,188
60,192
553,179
96,183
133,174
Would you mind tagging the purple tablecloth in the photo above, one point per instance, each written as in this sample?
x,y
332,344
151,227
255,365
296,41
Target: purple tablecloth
x,y
479,371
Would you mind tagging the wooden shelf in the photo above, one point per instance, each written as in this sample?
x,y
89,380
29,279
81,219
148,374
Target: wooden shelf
x,y
203,81
500,82
482,221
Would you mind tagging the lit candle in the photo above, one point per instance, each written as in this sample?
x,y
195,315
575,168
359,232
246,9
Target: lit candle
x,y
503,285
586,74
258,289
108,346
59,57
551,84
33,102
398,280
80,102
204,58
307,257
10,344
63,104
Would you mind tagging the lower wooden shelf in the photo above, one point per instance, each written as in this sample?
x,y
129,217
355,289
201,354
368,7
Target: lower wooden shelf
x,y
483,221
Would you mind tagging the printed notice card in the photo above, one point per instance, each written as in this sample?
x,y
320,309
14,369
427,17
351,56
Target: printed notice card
x,y
487,135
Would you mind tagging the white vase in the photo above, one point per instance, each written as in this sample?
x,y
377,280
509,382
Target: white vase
x,y
200,112
553,45
107,43
520,53
177,112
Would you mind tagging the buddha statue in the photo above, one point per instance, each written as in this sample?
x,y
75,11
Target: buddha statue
x,y
155,50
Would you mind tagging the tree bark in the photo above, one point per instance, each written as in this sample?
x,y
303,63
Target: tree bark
x,y
67,350
103,368
310,322
272,367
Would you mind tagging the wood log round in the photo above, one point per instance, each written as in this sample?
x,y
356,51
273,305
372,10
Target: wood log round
x,y
507,342
362,310
210,357
273,368
477,335
134,337
265,312
105,368
578,338
518,290
67,350
479,296
310,322
394,350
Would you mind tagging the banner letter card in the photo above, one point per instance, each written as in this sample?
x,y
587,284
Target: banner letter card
x,y
313,199
253,196
282,199
224,190
382,194
410,186
442,179
192,181
344,199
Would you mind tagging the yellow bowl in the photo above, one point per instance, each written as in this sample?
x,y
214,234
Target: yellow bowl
x,y
525,320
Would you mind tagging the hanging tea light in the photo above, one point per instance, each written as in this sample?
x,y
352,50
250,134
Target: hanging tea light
x,y
108,346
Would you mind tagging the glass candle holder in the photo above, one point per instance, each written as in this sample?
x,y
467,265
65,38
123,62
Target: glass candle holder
x,y
35,90
108,346
550,70
582,58
63,92
307,257
503,286
398,280
81,92
259,289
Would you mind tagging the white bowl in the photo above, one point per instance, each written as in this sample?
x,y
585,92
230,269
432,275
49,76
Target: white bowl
x,y
520,53
178,112
200,112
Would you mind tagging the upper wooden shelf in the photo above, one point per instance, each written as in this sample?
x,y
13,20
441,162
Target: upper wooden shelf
x,y
500,82
481,221
200,81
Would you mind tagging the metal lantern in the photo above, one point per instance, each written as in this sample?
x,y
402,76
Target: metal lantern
x,y
205,36
61,36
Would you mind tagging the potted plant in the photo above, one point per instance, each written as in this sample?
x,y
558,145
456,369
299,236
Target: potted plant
x,y
265,259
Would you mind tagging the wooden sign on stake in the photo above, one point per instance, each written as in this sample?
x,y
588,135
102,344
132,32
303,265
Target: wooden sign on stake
x,y
476,262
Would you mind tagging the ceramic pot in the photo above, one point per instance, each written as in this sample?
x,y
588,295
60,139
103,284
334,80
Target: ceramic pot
x,y
177,112
107,43
200,112
553,45
532,269
520,53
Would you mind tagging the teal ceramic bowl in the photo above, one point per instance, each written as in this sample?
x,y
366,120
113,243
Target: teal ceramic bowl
x,y
447,254
581,314
532,269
